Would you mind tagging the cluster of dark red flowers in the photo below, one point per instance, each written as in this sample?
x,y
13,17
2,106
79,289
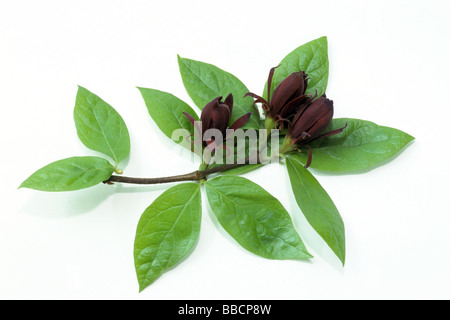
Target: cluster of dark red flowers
x,y
305,116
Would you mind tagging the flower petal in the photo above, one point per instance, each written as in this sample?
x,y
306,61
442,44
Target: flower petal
x,y
239,123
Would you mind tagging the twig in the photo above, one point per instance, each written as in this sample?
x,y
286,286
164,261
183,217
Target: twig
x,y
193,176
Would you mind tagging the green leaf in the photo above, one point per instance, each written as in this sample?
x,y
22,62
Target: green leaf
x,y
167,231
360,146
254,218
242,170
167,112
70,174
312,58
100,127
205,82
317,207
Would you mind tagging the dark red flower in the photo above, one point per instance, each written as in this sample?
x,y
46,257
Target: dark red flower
x,y
287,97
217,115
310,122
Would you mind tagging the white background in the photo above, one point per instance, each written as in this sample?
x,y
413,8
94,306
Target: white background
x,y
388,64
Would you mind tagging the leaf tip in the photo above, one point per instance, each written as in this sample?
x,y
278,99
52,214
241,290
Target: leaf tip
x,y
341,257
323,39
25,184
29,185
307,255
145,282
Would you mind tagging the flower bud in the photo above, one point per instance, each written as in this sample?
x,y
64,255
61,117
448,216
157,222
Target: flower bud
x,y
309,124
310,121
288,97
216,115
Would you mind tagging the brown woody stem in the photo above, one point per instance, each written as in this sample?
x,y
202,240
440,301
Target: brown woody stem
x,y
193,176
